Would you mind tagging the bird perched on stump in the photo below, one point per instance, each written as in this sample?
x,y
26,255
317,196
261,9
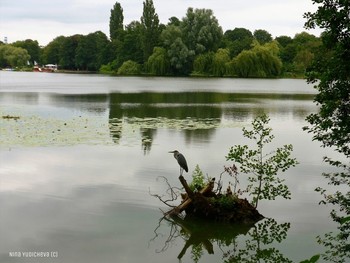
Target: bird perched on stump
x,y
181,161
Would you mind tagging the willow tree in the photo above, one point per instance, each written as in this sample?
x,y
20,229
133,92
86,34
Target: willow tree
x,y
11,56
220,59
129,68
212,64
203,63
158,63
150,28
261,61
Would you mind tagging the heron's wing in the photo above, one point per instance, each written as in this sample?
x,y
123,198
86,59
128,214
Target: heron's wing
x,y
182,162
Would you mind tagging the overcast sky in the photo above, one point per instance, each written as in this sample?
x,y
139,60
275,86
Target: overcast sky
x,y
43,20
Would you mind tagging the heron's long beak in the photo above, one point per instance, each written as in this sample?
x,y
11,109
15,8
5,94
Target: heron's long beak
x,y
171,151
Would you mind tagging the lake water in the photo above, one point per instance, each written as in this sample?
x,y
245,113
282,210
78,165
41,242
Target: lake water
x,y
78,166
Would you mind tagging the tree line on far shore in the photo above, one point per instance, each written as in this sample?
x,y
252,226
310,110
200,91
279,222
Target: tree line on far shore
x,y
195,45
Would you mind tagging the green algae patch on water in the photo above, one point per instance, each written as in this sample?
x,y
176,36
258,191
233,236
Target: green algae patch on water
x,y
38,129
33,130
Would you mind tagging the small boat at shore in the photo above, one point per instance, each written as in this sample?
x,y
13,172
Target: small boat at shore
x,y
45,68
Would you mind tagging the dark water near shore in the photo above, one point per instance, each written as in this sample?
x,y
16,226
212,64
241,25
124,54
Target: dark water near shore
x,y
77,167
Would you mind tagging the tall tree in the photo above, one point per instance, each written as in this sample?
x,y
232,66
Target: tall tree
x,y
331,124
201,30
116,20
150,28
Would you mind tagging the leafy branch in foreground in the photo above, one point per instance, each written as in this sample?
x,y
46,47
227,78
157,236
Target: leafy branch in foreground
x,y
330,71
263,168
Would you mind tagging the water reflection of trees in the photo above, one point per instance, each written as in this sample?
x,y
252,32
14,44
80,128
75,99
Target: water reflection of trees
x,y
237,243
195,113
148,112
259,244
337,242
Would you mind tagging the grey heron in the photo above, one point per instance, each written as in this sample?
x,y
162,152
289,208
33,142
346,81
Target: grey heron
x,y
181,161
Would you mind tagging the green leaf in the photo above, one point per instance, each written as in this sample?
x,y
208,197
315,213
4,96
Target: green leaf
x,y
313,259
344,220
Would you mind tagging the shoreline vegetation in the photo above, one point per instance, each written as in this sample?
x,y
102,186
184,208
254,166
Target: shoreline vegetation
x,y
286,75
192,46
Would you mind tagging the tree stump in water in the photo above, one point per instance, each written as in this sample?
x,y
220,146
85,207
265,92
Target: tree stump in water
x,y
206,204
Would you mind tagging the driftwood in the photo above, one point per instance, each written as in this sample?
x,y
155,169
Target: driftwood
x,y
200,204
190,195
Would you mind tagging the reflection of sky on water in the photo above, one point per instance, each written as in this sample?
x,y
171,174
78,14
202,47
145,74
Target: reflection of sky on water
x,y
91,202
90,197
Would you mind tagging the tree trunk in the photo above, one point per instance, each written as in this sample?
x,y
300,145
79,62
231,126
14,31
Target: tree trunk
x,y
190,195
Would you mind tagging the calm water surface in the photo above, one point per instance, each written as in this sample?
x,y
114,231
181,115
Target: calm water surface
x,y
78,166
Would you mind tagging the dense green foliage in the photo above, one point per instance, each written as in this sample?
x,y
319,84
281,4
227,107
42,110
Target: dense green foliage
x,y
32,48
262,168
237,40
158,63
129,68
201,31
13,57
193,45
260,61
90,51
331,125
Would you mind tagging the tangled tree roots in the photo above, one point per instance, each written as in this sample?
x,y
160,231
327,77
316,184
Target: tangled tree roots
x,y
205,204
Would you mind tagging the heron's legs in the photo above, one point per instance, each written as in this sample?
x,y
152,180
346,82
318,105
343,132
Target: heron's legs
x,y
181,171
